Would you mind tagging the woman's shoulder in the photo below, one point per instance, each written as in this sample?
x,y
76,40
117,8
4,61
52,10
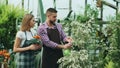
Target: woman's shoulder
x,y
20,32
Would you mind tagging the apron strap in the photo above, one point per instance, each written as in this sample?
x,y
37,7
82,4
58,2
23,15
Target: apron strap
x,y
26,34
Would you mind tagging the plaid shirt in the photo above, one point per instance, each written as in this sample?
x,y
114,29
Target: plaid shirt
x,y
42,31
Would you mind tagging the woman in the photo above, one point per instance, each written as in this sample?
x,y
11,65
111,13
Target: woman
x,y
25,56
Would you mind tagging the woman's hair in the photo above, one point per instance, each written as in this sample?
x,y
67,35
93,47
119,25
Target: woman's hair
x,y
26,22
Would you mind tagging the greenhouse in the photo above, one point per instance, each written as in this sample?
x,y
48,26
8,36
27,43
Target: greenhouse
x,y
59,34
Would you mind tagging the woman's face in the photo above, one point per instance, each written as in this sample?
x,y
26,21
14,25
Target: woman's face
x,y
32,22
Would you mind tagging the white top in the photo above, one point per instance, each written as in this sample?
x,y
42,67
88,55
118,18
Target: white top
x,y
22,36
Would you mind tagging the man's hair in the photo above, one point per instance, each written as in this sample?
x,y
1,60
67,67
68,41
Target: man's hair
x,y
51,10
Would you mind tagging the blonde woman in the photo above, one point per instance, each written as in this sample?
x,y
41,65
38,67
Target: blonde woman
x,y
25,54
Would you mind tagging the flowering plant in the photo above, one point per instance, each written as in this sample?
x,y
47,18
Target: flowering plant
x,y
35,40
4,56
75,59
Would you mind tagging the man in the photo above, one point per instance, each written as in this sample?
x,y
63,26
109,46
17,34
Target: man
x,y
52,35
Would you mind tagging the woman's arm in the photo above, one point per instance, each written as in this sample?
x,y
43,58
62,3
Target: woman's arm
x,y
17,48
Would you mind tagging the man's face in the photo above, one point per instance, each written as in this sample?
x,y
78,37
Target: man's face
x,y
52,17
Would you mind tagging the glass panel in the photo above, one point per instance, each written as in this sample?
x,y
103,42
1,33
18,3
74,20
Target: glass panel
x,y
78,6
47,4
15,2
107,13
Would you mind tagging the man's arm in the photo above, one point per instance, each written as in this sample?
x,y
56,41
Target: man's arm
x,y
45,39
49,43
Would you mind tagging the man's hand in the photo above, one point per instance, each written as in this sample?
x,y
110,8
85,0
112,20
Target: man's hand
x,y
69,39
67,46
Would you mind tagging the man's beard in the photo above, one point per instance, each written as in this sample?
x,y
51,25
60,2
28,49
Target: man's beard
x,y
52,22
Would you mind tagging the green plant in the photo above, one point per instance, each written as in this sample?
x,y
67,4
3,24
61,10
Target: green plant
x,y
75,59
110,65
101,40
110,37
8,16
90,13
82,30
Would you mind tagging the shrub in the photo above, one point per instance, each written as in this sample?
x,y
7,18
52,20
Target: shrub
x,y
8,16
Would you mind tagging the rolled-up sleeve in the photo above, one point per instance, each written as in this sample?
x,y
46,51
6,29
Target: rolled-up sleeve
x,y
45,39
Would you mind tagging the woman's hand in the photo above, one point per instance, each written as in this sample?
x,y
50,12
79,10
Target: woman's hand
x,y
34,47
